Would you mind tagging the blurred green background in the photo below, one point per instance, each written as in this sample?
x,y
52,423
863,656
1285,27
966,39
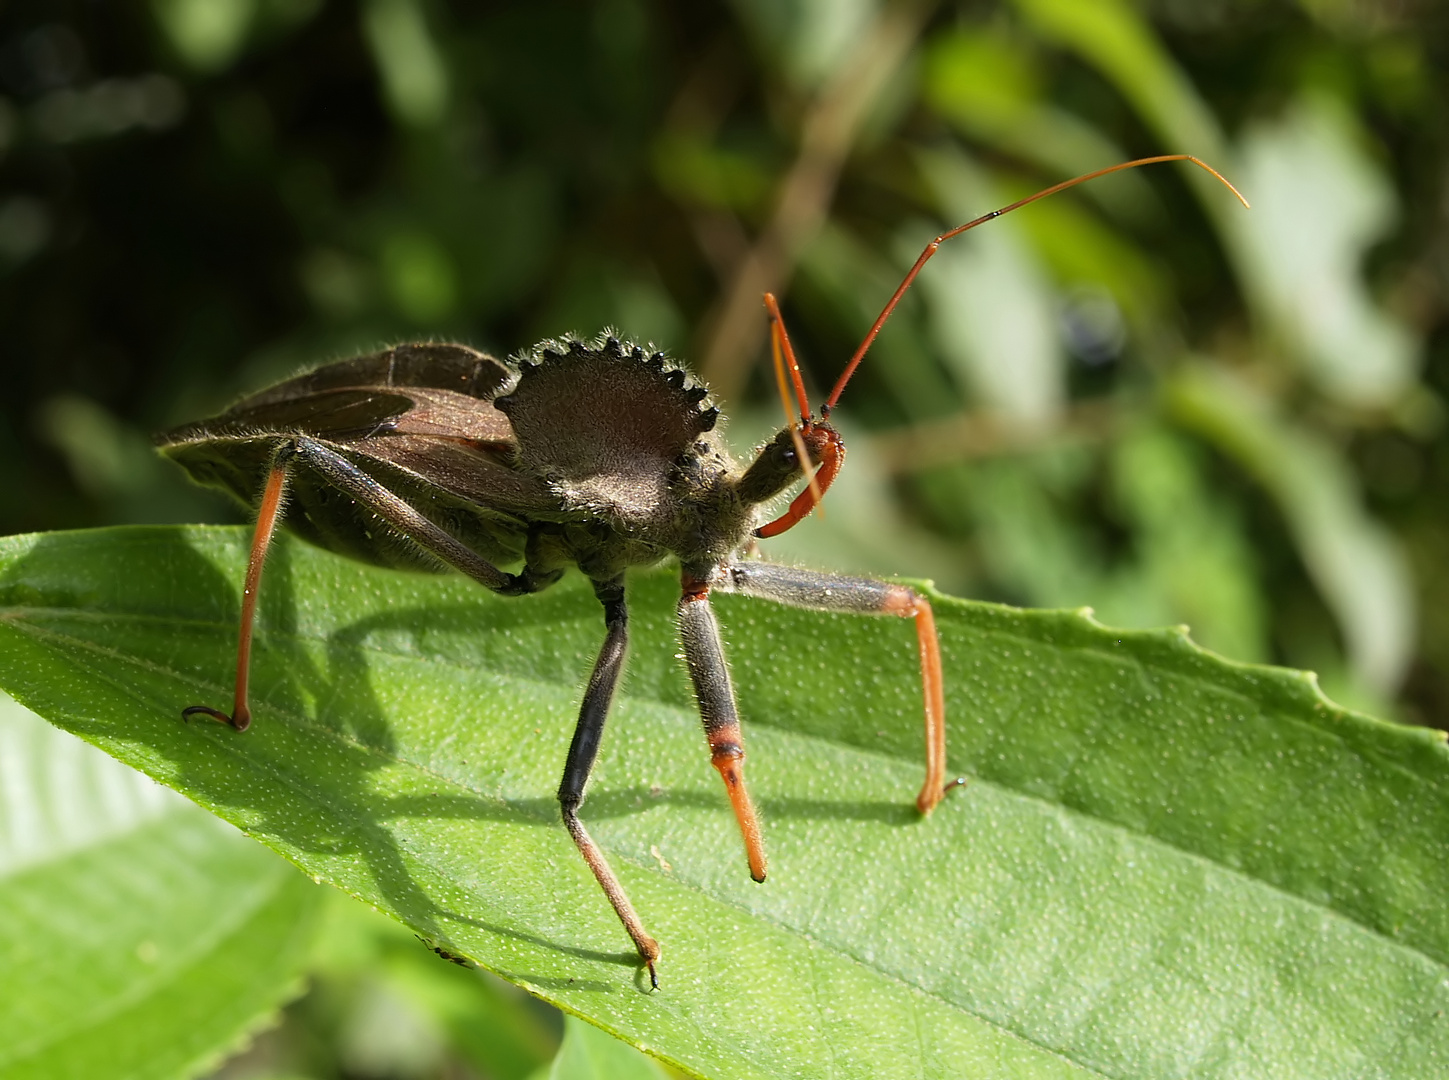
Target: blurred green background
x,y
1136,396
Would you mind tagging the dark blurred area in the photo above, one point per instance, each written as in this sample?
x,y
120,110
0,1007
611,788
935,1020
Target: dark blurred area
x,y
1136,396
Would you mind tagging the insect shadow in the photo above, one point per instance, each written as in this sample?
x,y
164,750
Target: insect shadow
x,y
248,781
353,708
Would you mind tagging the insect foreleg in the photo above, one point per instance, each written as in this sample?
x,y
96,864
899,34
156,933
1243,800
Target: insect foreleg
x,y
704,656
864,596
584,748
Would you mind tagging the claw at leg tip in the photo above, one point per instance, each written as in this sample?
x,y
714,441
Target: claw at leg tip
x,y
929,798
241,723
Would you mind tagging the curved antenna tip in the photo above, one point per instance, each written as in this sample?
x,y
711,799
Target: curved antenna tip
x,y
1221,178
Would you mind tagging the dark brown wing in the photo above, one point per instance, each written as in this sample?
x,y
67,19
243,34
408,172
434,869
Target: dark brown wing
x,y
425,389
418,418
425,365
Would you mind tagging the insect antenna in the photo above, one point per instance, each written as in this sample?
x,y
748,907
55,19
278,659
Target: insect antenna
x,y
935,244
783,353
814,440
829,447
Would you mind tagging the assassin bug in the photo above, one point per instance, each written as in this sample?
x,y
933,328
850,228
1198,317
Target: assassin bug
x,y
598,455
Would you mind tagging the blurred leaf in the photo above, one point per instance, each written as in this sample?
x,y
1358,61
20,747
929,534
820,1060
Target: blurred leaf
x,y
370,973
108,459
1166,864
139,936
599,292
420,276
808,39
849,280
25,229
414,74
1082,250
383,1033
1117,40
1021,513
116,464
488,1021
1356,563
590,1054
698,172
1318,204
982,74
207,33
988,84
1194,563
336,283
993,312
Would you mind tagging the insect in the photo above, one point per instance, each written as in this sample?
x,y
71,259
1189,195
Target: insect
x,y
461,961
593,454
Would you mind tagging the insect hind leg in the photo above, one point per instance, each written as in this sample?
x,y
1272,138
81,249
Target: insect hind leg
x,y
342,474
268,512
584,748
864,596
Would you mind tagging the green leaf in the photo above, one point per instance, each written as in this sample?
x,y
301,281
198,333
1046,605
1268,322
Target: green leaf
x,y
1165,864
1114,37
430,1007
1320,201
589,1054
139,936
1356,562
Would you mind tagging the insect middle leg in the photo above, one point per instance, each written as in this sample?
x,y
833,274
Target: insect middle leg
x,y
392,508
863,596
593,712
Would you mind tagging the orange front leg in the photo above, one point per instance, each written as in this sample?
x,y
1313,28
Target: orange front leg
x,y
865,596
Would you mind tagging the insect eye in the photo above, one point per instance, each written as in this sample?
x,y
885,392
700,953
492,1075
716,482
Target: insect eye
x,y
789,455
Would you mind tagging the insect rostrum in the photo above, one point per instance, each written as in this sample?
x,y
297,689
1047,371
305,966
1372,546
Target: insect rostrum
x,y
599,455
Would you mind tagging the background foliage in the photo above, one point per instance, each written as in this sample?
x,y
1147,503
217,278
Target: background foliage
x,y
1138,397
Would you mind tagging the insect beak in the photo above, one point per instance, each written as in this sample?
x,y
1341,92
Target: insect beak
x,y
825,446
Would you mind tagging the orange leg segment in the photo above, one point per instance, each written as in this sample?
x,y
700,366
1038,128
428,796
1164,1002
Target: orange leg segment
x,y
933,691
864,596
728,756
267,515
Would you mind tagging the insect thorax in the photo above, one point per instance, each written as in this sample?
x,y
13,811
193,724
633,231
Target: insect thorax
x,y
627,441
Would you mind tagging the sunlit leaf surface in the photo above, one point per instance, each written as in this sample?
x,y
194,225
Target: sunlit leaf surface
x,y
1164,865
